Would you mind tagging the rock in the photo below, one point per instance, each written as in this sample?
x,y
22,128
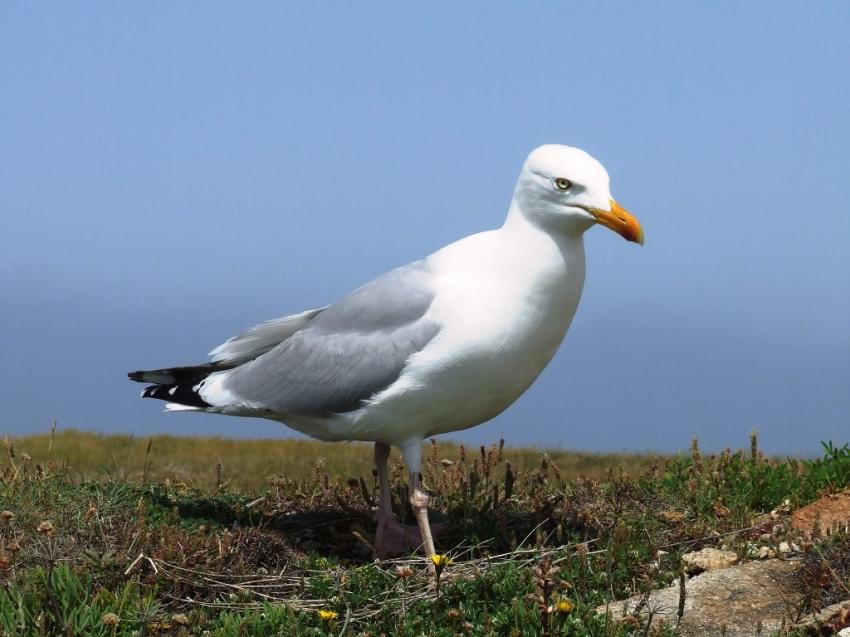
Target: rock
x,y
708,560
829,512
765,552
733,601
788,548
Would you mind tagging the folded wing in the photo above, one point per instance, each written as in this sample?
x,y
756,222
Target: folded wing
x,y
259,339
346,353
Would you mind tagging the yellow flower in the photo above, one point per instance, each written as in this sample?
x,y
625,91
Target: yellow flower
x,y
440,561
564,606
328,615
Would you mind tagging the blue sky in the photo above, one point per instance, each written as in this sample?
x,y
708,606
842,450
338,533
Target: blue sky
x,y
173,172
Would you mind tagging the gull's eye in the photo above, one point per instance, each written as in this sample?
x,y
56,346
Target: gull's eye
x,y
562,183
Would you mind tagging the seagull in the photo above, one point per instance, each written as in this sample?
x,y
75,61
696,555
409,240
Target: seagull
x,y
441,344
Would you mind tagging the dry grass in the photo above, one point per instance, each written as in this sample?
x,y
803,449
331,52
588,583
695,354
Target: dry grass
x,y
247,464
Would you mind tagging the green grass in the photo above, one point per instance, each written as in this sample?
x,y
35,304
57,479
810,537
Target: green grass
x,y
205,556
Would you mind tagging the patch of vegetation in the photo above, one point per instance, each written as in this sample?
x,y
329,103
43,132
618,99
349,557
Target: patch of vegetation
x,y
211,462
825,572
534,551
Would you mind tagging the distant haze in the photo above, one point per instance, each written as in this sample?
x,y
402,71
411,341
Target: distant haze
x,y
173,173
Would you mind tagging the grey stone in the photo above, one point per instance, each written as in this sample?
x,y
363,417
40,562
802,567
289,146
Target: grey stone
x,y
733,601
708,559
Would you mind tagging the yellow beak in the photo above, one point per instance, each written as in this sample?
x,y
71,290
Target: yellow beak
x,y
620,221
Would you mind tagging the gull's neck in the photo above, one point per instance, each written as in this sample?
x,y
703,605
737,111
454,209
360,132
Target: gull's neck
x,y
520,255
568,242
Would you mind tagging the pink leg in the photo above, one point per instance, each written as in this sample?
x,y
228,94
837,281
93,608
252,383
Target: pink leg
x,y
385,512
419,500
391,538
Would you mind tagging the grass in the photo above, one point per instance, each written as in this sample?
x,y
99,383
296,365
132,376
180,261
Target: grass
x,y
111,542
247,464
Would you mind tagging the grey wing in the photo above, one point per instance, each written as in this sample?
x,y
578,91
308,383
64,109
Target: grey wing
x,y
259,339
347,353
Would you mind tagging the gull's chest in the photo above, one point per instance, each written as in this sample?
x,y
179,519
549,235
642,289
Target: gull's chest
x,y
500,328
502,313
514,319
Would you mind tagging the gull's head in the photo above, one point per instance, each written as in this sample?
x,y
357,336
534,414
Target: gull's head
x,y
563,189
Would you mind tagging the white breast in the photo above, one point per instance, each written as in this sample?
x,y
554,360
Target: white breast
x,y
504,301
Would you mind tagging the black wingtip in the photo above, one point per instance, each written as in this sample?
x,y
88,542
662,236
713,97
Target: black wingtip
x,y
177,375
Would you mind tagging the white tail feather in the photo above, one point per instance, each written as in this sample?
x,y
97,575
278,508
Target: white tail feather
x,y
177,407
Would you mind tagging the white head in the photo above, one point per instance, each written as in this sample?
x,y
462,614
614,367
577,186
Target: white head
x,y
563,189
